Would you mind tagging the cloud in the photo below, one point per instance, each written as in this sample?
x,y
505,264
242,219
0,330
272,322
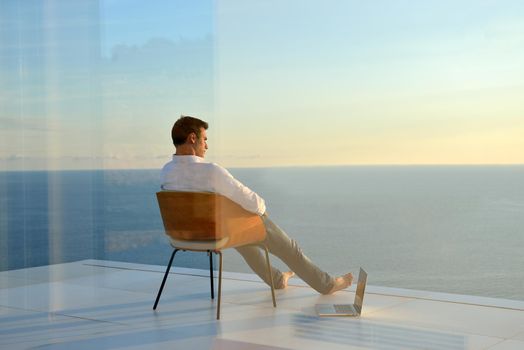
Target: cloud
x,y
188,61
24,123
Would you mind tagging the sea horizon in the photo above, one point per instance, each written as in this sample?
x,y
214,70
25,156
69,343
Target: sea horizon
x,y
305,166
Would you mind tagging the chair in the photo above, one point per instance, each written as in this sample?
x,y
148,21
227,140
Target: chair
x,y
209,222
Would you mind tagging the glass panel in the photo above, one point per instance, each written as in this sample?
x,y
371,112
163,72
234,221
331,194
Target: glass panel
x,y
386,135
90,90
391,106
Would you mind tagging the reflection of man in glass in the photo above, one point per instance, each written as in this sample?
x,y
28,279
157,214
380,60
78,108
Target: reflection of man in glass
x,y
188,171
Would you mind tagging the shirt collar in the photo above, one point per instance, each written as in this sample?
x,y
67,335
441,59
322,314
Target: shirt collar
x,y
187,159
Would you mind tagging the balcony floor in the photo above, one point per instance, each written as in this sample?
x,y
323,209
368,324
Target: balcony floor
x,y
95,304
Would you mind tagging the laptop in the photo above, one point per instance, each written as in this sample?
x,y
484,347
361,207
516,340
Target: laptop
x,y
347,310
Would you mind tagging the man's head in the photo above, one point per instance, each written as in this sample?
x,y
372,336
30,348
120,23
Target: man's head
x,y
189,136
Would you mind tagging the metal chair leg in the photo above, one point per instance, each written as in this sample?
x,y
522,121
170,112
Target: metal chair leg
x,y
165,278
219,282
270,276
211,277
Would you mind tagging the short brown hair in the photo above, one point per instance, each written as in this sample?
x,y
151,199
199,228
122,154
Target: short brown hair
x,y
184,126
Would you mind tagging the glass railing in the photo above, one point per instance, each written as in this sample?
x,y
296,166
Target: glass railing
x,y
303,109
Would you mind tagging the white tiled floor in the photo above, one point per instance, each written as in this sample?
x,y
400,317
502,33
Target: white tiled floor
x,y
108,305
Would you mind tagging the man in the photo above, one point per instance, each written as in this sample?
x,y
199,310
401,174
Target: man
x,y
188,171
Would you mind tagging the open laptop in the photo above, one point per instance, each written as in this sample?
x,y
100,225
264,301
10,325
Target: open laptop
x,y
347,309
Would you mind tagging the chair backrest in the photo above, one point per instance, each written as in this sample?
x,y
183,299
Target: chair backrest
x,y
201,216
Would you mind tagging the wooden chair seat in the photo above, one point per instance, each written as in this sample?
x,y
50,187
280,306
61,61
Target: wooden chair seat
x,y
199,245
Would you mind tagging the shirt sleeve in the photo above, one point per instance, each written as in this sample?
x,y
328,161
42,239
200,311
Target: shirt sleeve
x,y
227,185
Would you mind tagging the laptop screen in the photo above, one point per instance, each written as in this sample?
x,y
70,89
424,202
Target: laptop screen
x,y
361,287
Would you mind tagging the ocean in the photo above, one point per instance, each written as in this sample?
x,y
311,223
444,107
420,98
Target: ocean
x,y
455,229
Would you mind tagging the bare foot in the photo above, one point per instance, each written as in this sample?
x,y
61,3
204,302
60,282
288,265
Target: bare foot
x,y
285,278
342,282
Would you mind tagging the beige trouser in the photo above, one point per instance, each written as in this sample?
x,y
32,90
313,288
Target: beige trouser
x,y
287,249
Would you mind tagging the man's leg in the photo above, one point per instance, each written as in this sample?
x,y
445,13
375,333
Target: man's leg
x,y
287,249
257,262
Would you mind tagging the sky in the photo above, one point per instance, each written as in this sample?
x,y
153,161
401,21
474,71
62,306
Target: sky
x,y
89,85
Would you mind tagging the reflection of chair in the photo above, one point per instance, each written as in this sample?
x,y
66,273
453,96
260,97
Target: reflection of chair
x,y
208,222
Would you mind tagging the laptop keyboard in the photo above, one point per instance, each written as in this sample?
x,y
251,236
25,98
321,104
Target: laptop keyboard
x,y
344,308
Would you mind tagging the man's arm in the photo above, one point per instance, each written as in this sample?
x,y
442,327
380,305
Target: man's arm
x,y
233,189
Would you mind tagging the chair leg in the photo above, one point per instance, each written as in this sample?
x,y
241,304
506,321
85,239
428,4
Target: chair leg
x,y
165,278
211,277
270,276
219,282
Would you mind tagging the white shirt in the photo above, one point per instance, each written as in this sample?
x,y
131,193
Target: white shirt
x,y
194,174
